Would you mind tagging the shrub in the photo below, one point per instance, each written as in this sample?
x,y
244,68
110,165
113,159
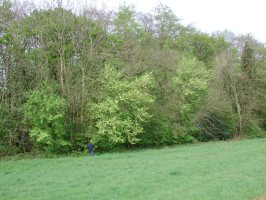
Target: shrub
x,y
45,112
253,130
213,126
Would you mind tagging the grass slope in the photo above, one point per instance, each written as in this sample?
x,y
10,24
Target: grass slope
x,y
224,170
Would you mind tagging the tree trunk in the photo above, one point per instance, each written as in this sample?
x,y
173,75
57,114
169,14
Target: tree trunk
x,y
82,97
62,70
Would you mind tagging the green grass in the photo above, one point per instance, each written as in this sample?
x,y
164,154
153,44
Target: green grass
x,y
224,170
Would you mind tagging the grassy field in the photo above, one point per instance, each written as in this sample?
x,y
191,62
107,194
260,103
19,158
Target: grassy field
x,y
224,170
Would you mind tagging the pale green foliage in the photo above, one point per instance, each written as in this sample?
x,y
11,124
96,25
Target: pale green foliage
x,y
192,83
128,34
124,23
167,25
45,112
123,107
41,136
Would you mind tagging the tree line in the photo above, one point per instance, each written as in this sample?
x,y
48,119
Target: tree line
x,y
123,79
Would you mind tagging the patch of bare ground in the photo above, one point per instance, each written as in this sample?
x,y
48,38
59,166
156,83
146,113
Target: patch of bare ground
x,y
263,197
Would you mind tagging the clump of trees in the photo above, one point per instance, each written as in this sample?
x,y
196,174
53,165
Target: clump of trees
x,y
124,79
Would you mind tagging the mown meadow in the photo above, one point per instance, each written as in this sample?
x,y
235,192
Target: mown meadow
x,y
221,170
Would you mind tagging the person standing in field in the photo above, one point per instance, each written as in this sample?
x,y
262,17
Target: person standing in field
x,y
91,148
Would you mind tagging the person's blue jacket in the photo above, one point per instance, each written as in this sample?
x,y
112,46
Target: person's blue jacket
x,y
90,147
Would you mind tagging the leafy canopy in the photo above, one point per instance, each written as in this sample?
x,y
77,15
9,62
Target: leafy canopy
x,y
123,107
45,112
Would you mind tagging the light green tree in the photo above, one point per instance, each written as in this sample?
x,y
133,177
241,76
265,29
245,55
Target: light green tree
x,y
123,107
167,25
192,84
45,112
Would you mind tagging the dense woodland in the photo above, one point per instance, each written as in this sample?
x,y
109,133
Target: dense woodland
x,y
123,79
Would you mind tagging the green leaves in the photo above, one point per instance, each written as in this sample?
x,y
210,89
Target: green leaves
x,y
45,112
122,108
40,136
192,83
167,25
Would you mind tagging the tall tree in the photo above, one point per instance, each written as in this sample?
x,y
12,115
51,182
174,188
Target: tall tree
x,y
122,110
167,25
